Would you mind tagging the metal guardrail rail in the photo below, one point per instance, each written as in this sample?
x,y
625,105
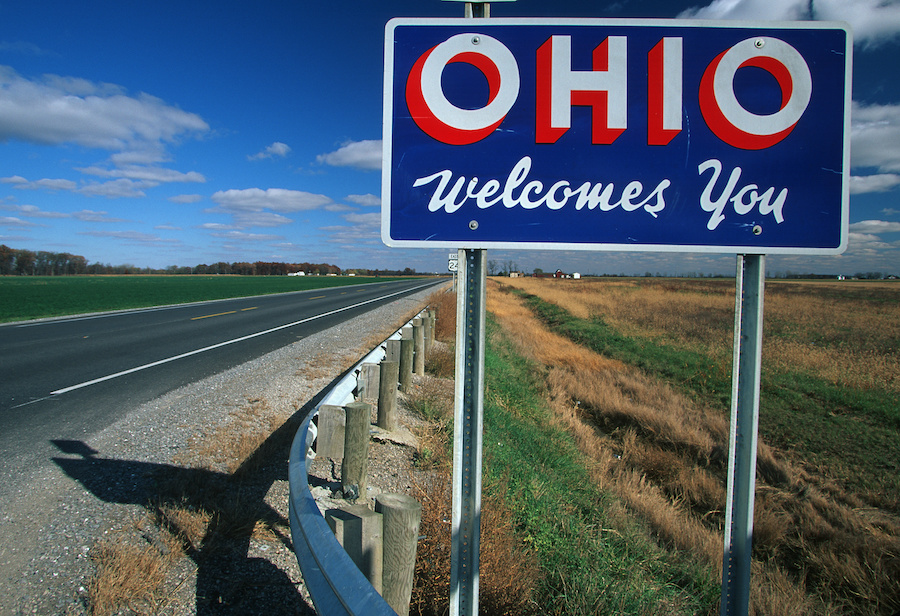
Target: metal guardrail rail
x,y
334,582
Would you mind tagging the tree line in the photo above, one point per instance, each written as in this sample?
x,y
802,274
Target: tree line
x,y
19,262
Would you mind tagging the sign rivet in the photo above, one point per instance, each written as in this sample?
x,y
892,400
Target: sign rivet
x,y
760,43
476,40
757,230
473,224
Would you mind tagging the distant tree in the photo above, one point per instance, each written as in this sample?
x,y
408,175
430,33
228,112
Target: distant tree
x,y
7,260
25,260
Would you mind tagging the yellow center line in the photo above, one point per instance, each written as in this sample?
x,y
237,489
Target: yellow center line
x,y
246,309
317,297
219,314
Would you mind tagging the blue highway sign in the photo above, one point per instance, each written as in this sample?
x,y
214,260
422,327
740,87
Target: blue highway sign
x,y
649,135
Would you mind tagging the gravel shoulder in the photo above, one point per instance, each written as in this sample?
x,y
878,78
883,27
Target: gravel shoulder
x,y
115,488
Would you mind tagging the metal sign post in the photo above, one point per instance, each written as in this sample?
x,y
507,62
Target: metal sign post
x,y
468,415
467,424
748,326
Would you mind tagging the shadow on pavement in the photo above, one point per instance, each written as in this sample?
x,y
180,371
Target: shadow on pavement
x,y
229,580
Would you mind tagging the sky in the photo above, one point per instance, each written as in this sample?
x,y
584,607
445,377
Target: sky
x,y
178,133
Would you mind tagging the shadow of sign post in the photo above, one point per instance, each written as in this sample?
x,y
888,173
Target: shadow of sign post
x,y
229,580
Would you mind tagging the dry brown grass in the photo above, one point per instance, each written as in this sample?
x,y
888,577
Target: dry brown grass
x,y
229,446
817,550
130,573
444,305
845,332
508,572
432,400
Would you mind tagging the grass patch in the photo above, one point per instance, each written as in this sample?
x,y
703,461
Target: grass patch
x,y
826,530
595,559
851,431
32,297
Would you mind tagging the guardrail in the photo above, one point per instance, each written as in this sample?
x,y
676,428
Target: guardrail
x,y
335,583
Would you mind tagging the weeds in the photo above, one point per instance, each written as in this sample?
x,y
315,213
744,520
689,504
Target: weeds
x,y
820,545
130,574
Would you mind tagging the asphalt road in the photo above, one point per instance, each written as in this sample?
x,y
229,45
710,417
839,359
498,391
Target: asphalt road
x,y
68,378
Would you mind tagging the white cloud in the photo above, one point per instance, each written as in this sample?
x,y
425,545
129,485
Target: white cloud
x,y
276,199
365,200
157,175
186,198
56,110
864,238
364,230
92,216
122,187
33,211
116,189
359,154
339,207
45,184
872,21
875,137
131,236
751,9
880,182
248,237
23,47
260,219
875,227
276,149
13,221
371,220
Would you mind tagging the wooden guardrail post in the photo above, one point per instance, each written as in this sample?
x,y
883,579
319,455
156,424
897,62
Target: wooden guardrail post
x,y
428,324
406,358
392,350
419,350
330,436
432,313
356,450
387,395
367,383
401,516
359,531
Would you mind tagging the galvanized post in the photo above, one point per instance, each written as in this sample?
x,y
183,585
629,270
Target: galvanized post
x,y
478,9
468,422
468,418
745,385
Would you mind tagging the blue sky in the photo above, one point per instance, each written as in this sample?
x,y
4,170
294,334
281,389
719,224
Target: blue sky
x,y
174,133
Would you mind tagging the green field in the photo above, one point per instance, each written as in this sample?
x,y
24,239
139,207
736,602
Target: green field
x,y
34,297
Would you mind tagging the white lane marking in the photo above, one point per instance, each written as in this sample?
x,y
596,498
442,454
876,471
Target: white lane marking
x,y
227,342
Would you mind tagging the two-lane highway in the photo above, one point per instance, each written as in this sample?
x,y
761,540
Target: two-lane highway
x,y
67,378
